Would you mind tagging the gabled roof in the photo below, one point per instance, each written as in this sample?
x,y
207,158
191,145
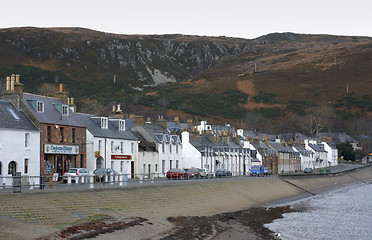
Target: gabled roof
x,y
317,147
155,133
11,118
303,150
93,124
51,115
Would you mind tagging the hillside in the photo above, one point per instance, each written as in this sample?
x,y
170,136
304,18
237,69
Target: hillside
x,y
278,75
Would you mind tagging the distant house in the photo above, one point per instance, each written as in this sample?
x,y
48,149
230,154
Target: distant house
x,y
19,145
289,160
320,154
307,156
158,149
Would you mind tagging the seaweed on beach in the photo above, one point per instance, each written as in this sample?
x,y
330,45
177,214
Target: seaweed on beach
x,y
251,220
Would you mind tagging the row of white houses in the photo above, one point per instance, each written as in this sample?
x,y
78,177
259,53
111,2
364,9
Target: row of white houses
x,y
138,148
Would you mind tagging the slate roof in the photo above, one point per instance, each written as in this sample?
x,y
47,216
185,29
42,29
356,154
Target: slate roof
x,y
317,147
93,124
339,137
152,134
50,115
303,150
19,121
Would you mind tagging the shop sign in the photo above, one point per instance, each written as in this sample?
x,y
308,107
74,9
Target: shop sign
x,y
61,149
97,154
121,157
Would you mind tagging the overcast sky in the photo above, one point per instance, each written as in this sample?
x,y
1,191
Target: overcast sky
x,y
232,18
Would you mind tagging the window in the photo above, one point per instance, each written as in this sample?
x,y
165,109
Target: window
x,y
40,107
131,147
12,168
121,125
1,170
49,129
61,134
104,123
112,146
170,164
163,147
64,110
121,166
177,163
156,167
27,140
16,117
121,147
163,166
26,165
170,148
99,145
112,164
73,135
176,147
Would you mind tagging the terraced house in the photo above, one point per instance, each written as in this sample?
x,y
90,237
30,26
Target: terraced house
x,y
62,136
19,145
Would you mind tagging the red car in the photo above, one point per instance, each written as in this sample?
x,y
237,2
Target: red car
x,y
177,174
193,173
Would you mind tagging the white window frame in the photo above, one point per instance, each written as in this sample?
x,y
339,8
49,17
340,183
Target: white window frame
x,y
39,106
121,125
121,147
104,123
27,140
65,110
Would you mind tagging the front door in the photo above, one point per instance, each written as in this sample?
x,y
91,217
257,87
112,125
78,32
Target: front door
x,y
132,169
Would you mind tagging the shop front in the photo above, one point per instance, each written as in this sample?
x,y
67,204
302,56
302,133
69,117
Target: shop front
x,y
60,158
122,164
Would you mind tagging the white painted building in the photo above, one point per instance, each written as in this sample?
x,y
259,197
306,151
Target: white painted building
x,y
19,146
332,154
110,144
159,150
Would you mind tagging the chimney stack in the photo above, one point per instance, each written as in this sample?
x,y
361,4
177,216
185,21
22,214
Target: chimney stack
x,y
61,95
17,78
60,87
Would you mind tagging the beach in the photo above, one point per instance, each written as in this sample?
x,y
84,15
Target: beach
x,y
232,209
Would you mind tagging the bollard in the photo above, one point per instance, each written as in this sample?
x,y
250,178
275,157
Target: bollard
x,y
152,177
111,178
121,179
141,178
41,183
77,179
91,181
125,179
68,179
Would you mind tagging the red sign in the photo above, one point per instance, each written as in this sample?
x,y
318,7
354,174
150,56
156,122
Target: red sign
x,y
121,157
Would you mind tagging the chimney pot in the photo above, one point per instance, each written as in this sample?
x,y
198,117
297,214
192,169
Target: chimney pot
x,y
12,82
60,87
7,83
17,78
72,101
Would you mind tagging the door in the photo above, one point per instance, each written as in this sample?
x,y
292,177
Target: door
x,y
132,169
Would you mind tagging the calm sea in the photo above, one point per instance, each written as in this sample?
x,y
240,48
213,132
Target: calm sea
x,y
342,214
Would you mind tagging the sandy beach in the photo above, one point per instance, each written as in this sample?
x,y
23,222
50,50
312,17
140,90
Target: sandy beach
x,y
192,211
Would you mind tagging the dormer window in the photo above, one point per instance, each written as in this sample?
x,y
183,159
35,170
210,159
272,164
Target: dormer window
x,y
121,125
65,110
40,106
104,123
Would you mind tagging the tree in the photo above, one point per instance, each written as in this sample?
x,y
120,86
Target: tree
x,y
346,150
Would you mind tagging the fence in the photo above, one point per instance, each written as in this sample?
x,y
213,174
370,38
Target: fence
x,y
44,182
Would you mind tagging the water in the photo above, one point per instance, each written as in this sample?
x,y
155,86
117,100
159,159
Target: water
x,y
341,214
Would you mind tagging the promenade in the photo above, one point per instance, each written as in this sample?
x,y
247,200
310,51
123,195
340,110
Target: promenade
x,y
36,214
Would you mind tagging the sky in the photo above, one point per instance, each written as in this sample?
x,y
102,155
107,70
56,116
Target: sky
x,y
231,18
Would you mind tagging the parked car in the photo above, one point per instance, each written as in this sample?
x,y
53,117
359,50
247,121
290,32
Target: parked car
x,y
257,170
73,172
100,173
308,170
177,174
223,173
267,172
193,173
205,173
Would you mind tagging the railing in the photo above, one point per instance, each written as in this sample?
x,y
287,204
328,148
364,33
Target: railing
x,y
55,182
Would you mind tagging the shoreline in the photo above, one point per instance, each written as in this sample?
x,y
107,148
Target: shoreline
x,y
144,213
